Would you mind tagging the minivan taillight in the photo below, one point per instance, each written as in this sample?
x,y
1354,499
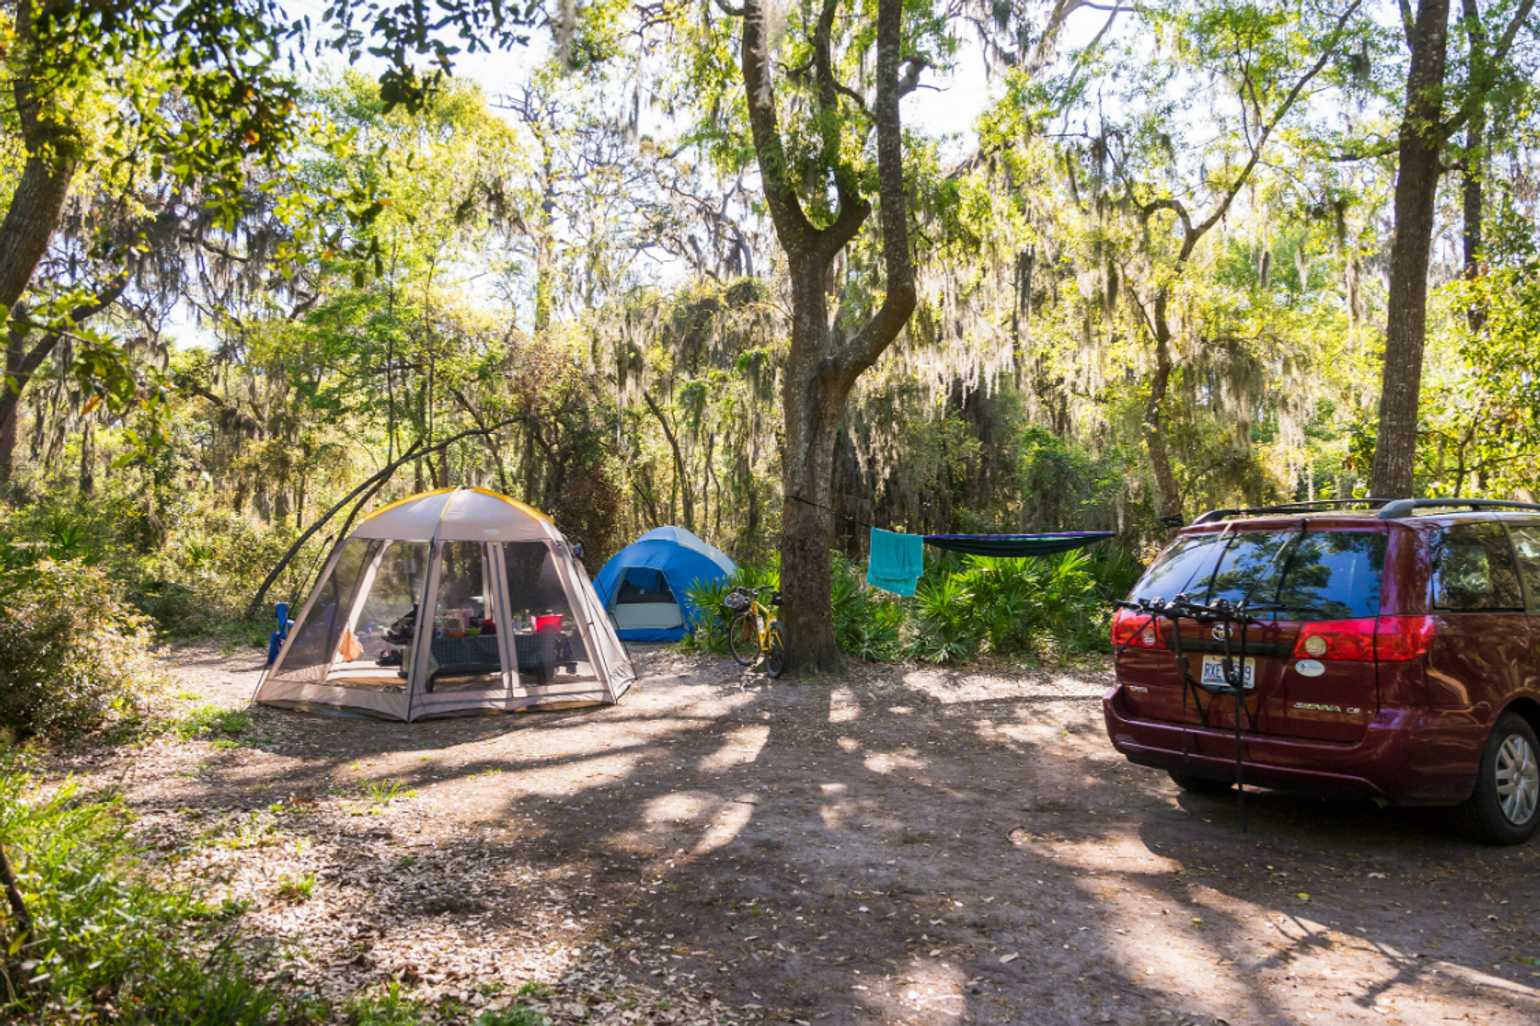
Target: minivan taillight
x,y
1133,629
1399,638
1391,638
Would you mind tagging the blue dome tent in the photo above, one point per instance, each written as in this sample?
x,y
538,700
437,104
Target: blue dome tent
x,y
645,586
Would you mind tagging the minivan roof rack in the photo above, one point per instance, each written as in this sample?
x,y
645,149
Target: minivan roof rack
x,y
1407,507
1312,506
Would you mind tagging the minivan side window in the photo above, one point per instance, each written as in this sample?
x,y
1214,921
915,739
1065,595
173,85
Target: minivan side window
x,y
1526,540
1473,570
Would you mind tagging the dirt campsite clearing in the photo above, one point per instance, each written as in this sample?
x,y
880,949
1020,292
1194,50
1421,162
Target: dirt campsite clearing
x,y
899,845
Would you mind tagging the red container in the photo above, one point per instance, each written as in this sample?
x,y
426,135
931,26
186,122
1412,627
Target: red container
x,y
549,622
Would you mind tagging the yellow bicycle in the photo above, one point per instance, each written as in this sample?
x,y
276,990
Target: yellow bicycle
x,y
753,634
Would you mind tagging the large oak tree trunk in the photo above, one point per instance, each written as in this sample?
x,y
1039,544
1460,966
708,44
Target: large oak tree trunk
x,y
30,220
1416,189
814,404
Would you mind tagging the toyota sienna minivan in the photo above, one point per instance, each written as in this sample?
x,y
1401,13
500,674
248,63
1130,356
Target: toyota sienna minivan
x,y
1391,652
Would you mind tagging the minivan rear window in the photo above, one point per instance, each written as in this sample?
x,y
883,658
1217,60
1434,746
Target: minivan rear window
x,y
1183,567
1286,574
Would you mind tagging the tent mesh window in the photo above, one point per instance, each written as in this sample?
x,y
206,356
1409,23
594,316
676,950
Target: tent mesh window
x,y
547,637
314,646
375,652
463,651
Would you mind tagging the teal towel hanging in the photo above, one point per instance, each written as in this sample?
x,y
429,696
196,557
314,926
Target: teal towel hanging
x,y
896,561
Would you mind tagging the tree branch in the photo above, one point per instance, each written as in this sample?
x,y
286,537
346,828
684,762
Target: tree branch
x,y
863,349
1493,59
1043,52
373,481
1196,232
853,209
796,233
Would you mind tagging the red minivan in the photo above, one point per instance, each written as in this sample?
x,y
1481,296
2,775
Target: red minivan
x,y
1391,652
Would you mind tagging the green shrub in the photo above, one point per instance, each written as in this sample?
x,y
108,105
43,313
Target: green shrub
x,y
191,568
58,527
213,722
387,1006
110,946
73,652
944,628
868,623
1115,569
295,888
1034,606
199,581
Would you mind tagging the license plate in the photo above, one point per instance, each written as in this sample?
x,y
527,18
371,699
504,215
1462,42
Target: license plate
x,y
1214,671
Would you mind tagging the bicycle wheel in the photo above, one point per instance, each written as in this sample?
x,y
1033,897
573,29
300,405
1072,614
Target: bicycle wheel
x,y
775,650
743,639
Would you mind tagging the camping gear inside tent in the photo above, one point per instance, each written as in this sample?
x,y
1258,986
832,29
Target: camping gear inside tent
x,y
645,586
512,620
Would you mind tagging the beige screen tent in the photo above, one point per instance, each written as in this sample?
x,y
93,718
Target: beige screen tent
x,y
511,618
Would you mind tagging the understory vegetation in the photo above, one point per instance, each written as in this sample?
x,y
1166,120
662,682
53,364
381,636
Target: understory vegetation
x,y
107,940
73,651
964,607
107,943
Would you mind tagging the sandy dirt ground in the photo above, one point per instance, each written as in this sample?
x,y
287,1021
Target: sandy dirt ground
x,y
899,845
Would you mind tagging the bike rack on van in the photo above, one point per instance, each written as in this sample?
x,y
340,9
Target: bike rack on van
x,y
1230,614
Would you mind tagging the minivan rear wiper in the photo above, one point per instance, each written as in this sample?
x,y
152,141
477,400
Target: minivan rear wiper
x,y
1293,607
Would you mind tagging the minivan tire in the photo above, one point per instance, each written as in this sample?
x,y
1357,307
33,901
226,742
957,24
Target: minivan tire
x,y
1199,785
1484,810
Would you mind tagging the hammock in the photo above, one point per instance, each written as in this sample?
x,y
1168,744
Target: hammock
x,y
1016,544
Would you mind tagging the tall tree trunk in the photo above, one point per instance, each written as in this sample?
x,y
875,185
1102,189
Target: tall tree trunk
x,y
21,363
545,261
1406,325
1474,169
1168,497
10,413
681,472
87,457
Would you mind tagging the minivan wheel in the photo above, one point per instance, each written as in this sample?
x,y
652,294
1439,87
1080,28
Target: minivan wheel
x,y
1505,808
1199,785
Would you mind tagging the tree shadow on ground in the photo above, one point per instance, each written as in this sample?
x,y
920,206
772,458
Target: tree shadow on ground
x,y
883,850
